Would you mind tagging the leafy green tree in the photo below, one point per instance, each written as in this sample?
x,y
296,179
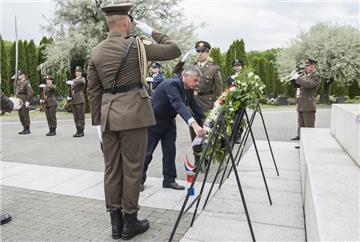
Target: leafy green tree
x,y
235,51
77,26
32,63
335,47
5,84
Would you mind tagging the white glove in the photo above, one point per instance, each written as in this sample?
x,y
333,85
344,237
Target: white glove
x,y
144,27
99,132
17,103
69,82
187,55
149,79
42,85
295,76
27,104
68,98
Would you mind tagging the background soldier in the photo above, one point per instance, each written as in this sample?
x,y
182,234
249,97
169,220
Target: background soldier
x,y
24,91
120,104
237,66
308,83
50,104
210,86
78,102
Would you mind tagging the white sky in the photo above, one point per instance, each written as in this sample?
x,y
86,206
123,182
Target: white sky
x,y
262,24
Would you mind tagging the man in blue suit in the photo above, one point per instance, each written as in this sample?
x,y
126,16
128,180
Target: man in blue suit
x,y
171,98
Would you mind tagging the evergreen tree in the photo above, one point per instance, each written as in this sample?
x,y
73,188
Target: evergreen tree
x,y
236,51
32,63
5,79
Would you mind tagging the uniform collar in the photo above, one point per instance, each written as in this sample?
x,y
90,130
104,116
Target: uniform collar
x,y
116,34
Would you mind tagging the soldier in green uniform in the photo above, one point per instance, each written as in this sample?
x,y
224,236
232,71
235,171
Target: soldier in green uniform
x,y
50,104
210,86
24,91
78,102
120,107
308,83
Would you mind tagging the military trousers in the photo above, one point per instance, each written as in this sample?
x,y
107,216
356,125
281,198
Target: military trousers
x,y
164,131
50,113
78,111
124,154
306,119
24,116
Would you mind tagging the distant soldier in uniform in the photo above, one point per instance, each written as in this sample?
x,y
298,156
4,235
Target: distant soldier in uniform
x,y
306,102
24,91
156,74
210,86
50,104
237,66
78,102
120,104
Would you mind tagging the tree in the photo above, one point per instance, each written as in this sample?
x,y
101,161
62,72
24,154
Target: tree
x,y
32,63
217,57
236,51
336,48
21,56
77,26
5,69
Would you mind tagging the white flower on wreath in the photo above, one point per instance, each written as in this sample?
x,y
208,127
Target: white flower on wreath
x,y
250,74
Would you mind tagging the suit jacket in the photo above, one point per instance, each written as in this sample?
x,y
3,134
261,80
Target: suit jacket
x,y
78,87
128,110
24,90
50,91
171,98
210,85
308,90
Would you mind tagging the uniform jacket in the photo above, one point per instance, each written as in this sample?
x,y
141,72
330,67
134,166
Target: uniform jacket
x,y
210,85
78,87
308,85
171,98
50,91
157,79
24,90
128,110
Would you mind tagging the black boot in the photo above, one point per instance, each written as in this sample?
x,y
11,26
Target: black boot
x,y
116,223
80,132
52,132
23,131
27,130
133,226
77,132
49,133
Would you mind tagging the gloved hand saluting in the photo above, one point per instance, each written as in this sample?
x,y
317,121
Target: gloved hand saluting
x,y
187,55
144,27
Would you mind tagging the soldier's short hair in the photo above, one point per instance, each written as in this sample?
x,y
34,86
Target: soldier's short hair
x,y
192,70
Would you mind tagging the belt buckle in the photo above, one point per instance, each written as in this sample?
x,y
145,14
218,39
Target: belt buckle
x,y
113,88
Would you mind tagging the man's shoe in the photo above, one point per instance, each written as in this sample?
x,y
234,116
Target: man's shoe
x,y
297,147
77,132
80,132
22,132
52,132
5,218
173,185
133,226
296,138
27,130
116,223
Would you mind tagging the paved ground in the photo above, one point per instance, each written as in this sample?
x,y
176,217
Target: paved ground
x,y
76,218
84,153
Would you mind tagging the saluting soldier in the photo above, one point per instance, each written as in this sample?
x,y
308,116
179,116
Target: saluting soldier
x,y
24,91
308,83
78,102
50,104
120,104
210,86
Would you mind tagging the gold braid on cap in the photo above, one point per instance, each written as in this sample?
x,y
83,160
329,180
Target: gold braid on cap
x,y
142,61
